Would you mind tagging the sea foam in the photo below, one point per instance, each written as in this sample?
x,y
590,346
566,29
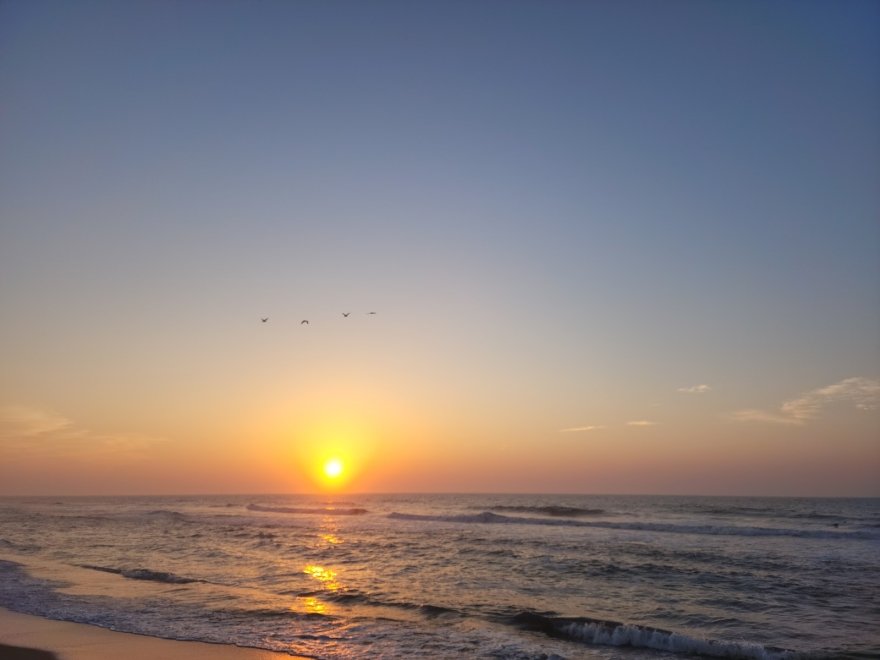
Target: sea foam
x,y
613,633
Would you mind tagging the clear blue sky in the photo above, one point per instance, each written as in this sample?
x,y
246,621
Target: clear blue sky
x,y
564,213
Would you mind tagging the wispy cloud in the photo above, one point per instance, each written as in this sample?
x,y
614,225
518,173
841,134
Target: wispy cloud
x,y
695,389
754,415
642,422
578,429
27,422
29,430
861,393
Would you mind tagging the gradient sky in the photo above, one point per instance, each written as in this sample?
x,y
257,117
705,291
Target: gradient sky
x,y
612,247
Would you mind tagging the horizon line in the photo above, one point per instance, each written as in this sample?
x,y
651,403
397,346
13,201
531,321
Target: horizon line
x,y
435,493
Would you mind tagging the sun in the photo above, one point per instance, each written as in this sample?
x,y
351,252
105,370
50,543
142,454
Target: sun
x,y
333,468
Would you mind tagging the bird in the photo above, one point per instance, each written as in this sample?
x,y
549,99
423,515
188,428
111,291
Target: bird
x,y
368,313
264,319
306,321
345,314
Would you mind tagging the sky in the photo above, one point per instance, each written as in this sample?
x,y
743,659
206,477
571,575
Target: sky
x,y
611,247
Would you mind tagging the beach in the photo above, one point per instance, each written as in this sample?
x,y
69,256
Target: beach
x,y
26,637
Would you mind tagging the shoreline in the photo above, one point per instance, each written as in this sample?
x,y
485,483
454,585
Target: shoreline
x,y
30,637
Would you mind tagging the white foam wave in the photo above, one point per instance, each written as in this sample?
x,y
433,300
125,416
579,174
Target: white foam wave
x,y
607,634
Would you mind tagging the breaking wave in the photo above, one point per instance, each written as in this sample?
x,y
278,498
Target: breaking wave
x,y
613,633
143,574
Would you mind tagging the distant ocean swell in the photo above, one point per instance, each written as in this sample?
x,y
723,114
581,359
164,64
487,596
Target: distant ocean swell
x,y
487,517
326,511
555,511
790,513
553,515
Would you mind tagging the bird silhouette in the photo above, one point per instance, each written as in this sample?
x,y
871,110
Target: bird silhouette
x,y
306,321
368,313
345,314
264,319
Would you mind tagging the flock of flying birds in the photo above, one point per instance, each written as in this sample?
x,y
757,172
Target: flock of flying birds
x,y
264,319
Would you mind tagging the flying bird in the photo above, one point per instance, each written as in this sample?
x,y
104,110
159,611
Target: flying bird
x,y
345,314
368,313
306,321
264,319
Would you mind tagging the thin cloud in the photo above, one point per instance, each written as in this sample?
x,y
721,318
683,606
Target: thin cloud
x,y
642,422
861,393
762,416
695,389
28,430
578,429
17,421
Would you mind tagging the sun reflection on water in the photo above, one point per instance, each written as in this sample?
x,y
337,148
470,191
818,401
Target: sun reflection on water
x,y
314,606
328,535
324,575
328,531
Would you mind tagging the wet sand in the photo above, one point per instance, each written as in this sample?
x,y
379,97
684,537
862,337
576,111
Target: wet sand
x,y
26,637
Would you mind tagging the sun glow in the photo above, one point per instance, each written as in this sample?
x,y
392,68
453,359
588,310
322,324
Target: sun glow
x,y
329,455
333,468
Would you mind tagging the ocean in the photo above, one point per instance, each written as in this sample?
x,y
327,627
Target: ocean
x,y
458,576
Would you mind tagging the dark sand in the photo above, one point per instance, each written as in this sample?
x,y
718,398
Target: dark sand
x,y
21,653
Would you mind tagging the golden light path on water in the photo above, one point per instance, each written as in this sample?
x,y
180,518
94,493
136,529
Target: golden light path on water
x,y
325,576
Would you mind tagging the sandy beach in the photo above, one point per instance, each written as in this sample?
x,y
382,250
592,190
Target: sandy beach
x,y
25,637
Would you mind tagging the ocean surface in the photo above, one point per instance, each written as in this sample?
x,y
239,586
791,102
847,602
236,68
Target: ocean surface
x,y
458,576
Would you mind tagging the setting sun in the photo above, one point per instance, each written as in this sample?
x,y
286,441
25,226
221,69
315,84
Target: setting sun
x,y
333,468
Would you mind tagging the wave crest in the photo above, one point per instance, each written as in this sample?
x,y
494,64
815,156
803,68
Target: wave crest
x,y
555,511
328,511
143,574
487,517
484,517
613,633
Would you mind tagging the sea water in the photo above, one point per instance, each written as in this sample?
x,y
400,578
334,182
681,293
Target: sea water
x,y
458,576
